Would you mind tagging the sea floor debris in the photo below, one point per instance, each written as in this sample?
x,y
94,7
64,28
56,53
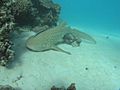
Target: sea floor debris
x,y
71,87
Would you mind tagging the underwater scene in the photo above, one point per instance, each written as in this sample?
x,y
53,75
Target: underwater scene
x,y
59,45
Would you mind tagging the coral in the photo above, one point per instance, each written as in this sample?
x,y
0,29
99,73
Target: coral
x,y
6,53
42,14
48,12
21,6
6,27
22,11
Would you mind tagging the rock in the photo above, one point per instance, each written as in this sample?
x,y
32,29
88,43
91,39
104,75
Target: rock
x,y
72,87
6,87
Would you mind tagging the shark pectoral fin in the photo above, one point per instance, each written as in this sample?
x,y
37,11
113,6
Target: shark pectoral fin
x,y
60,50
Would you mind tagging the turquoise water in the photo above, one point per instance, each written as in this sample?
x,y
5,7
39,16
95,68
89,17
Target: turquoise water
x,y
93,14
90,66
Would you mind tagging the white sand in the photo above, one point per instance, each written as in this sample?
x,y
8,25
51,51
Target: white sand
x,y
42,70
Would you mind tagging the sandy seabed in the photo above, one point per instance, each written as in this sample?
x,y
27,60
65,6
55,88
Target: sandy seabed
x,y
91,66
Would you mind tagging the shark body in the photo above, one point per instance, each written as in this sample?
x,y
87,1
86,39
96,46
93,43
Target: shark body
x,y
61,34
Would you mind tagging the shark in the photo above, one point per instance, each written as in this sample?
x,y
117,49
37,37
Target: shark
x,y
61,34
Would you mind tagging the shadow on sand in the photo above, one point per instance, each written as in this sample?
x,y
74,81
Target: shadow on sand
x,y
19,48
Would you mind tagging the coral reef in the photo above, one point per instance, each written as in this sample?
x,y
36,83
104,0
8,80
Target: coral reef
x,y
22,12
6,27
6,87
48,13
41,14
71,87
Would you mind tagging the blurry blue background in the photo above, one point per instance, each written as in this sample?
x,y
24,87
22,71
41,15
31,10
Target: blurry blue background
x,y
92,14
